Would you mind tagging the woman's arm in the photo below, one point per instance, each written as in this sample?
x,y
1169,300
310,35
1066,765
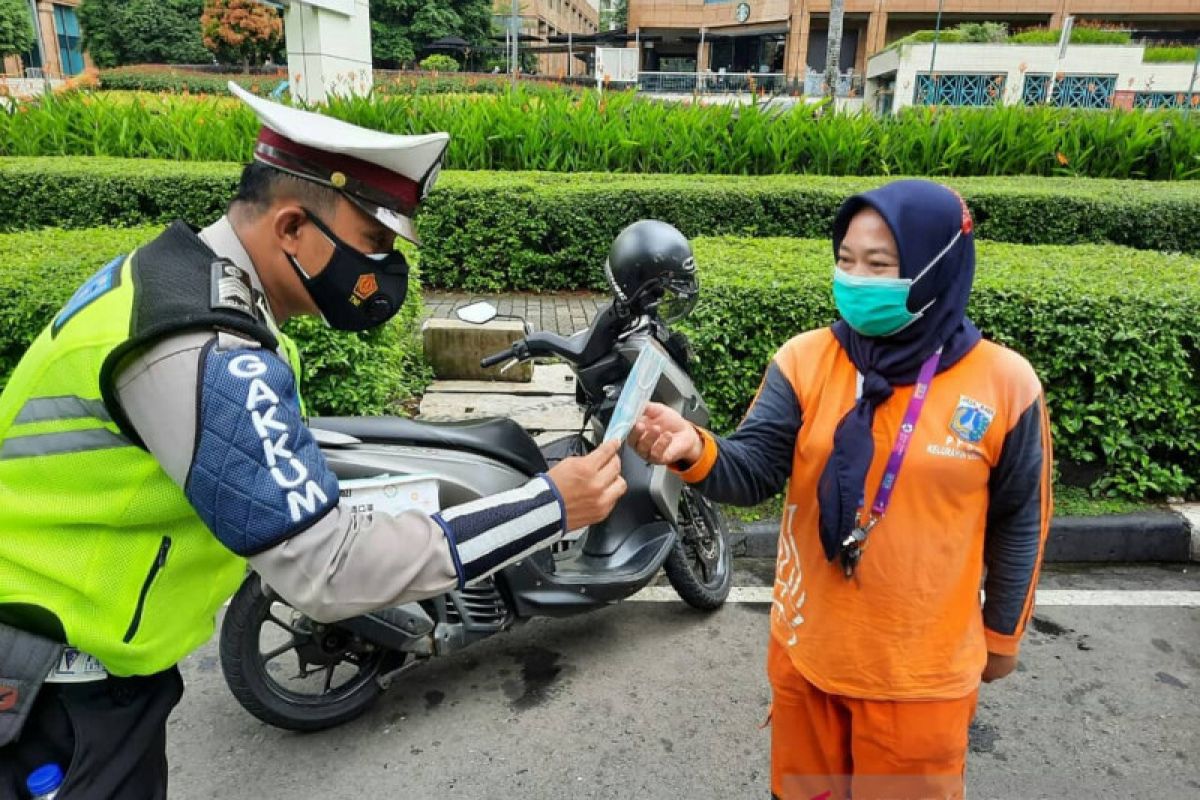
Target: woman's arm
x,y
744,469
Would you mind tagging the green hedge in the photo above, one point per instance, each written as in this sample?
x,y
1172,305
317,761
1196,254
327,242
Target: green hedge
x,y
491,231
343,373
1111,332
158,78
1080,34
173,79
1170,54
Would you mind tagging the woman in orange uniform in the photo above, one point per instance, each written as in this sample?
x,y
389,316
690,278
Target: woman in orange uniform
x,y
916,457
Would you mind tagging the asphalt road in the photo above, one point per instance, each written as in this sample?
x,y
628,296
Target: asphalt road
x,y
653,700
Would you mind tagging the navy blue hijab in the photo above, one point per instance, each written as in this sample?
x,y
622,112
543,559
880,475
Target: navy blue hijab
x,y
924,218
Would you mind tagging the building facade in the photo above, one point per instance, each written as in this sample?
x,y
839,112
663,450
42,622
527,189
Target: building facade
x,y
789,37
1084,76
541,19
58,46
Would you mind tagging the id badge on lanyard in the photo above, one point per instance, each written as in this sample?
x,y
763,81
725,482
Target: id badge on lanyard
x,y
852,547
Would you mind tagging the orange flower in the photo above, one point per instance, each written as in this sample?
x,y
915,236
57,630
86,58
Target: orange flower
x,y
1062,159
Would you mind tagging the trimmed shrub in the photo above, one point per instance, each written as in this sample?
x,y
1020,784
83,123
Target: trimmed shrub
x,y
96,192
494,231
190,80
565,131
177,80
439,63
536,231
344,373
1083,33
1110,331
1168,54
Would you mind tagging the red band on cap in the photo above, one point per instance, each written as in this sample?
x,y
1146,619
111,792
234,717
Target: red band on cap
x,y
403,192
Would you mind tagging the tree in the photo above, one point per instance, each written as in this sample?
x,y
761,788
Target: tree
x,y
16,28
833,54
621,14
120,32
614,15
401,29
241,31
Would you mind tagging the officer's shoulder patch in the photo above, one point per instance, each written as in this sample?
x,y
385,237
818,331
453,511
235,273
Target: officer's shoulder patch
x,y
232,289
100,284
257,475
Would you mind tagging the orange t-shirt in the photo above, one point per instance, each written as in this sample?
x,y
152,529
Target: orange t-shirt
x,y
909,624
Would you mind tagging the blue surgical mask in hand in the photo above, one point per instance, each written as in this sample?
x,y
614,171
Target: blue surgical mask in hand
x,y
640,384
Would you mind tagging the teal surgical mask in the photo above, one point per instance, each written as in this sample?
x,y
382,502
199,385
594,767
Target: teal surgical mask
x,y
879,306
873,306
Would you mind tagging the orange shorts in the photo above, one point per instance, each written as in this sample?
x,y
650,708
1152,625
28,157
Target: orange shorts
x,y
828,747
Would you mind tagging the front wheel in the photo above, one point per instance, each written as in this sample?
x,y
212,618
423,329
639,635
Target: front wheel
x,y
700,567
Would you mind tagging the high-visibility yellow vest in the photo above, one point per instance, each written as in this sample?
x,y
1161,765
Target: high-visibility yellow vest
x,y
92,530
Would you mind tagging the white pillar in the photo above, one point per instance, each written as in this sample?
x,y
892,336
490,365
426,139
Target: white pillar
x,y
329,48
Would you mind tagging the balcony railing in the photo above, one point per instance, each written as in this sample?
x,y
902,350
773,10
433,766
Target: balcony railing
x,y
773,83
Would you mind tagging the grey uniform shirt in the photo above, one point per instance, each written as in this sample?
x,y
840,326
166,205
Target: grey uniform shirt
x,y
343,564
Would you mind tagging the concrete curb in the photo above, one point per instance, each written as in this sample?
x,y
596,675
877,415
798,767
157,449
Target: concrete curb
x,y
1116,538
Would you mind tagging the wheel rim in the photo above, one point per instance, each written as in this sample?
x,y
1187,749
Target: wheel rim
x,y
327,664
703,539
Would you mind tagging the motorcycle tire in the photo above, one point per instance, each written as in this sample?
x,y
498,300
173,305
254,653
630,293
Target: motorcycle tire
x,y
700,565
258,691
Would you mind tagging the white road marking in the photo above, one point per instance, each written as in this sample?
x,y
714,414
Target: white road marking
x,y
1045,597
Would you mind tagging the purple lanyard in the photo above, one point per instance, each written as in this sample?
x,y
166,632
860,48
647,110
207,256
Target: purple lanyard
x,y
907,427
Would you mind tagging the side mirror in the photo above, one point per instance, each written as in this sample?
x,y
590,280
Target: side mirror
x,y
477,313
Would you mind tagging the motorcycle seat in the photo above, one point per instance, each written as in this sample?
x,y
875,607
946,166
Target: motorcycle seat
x,y
499,438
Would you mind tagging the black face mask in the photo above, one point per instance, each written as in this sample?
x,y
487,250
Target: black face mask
x,y
355,291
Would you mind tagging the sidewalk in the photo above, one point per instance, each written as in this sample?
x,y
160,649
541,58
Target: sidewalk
x,y
562,313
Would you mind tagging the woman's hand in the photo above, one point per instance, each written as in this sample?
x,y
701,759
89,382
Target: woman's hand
x,y
664,437
998,667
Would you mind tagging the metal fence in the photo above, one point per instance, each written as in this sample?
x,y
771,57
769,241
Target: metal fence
x,y
772,83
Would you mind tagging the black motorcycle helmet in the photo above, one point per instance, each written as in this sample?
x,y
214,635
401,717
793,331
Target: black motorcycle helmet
x,y
651,267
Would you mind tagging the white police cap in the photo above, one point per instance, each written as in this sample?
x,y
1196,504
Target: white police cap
x,y
384,174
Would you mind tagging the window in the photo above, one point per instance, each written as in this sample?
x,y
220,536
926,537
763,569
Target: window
x,y
1071,91
1164,100
32,59
1034,90
66,27
959,89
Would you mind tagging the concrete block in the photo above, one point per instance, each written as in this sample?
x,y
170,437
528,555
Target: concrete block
x,y
548,380
553,413
454,348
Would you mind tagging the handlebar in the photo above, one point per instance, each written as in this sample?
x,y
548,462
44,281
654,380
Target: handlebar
x,y
496,358
540,344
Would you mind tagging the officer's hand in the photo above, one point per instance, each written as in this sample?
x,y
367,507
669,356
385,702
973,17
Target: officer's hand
x,y
590,485
662,436
998,666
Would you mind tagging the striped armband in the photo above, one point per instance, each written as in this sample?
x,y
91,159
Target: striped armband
x,y
488,534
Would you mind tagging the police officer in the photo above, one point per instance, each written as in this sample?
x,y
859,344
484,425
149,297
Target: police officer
x,y
152,439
